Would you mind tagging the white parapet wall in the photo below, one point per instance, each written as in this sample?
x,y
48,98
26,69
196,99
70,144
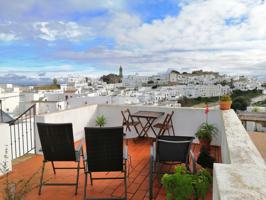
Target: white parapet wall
x,y
5,151
243,172
186,121
79,117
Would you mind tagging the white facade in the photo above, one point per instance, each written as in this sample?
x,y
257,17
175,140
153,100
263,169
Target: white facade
x,y
134,80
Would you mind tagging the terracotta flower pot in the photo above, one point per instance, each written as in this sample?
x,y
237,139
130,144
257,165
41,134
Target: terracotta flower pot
x,y
206,144
225,105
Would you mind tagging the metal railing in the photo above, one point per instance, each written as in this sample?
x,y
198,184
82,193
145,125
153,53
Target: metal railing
x,y
22,133
1,109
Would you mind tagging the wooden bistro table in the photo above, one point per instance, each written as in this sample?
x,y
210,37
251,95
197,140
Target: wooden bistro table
x,y
150,117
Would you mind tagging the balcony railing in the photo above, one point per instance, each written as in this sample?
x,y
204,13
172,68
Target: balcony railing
x,y
22,133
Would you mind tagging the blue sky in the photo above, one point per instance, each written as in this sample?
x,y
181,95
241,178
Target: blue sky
x,y
96,37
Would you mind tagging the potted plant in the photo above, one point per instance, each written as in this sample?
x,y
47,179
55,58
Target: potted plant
x,y
225,102
205,134
100,121
205,159
183,185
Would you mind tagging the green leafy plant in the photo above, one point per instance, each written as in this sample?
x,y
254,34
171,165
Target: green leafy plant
x,y
256,109
225,98
206,131
100,121
240,103
201,183
182,185
178,185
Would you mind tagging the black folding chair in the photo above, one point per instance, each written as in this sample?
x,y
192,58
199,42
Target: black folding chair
x,y
104,153
58,145
170,150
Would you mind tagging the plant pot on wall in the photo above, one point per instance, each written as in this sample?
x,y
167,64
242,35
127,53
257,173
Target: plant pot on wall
x,y
225,105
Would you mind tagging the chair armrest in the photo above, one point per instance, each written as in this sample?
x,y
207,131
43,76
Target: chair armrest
x,y
153,151
79,147
125,152
193,159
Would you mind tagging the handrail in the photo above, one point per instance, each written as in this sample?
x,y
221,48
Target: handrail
x,y
33,106
22,133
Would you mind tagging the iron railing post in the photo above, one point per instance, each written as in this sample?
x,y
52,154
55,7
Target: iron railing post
x,y
34,127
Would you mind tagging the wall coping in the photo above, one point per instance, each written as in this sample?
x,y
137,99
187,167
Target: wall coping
x,y
244,176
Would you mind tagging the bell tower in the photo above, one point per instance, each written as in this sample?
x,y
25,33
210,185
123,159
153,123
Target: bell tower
x,y
120,71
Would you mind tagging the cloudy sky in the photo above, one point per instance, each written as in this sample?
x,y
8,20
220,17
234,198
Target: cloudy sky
x,y
97,36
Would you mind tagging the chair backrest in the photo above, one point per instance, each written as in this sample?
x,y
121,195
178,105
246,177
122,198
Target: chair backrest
x,y
125,115
57,141
104,148
173,148
168,118
127,118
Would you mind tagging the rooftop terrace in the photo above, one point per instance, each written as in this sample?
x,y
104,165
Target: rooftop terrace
x,y
138,181
232,147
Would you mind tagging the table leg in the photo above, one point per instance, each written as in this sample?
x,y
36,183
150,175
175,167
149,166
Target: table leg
x,y
146,127
142,127
151,121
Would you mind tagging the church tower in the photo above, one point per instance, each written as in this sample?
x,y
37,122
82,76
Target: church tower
x,y
121,71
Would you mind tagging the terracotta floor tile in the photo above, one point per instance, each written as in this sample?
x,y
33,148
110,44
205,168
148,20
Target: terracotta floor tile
x,y
138,180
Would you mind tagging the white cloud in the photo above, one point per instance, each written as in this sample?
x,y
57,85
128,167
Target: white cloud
x,y
51,9
7,37
52,31
227,35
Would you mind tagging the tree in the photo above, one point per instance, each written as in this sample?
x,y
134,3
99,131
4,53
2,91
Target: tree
x,y
240,103
150,82
55,82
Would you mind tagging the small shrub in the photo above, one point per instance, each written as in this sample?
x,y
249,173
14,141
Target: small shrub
x,y
206,131
100,121
178,185
225,98
240,103
182,185
256,109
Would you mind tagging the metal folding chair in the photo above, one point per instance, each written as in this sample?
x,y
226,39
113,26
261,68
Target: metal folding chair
x,y
104,153
170,150
58,146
